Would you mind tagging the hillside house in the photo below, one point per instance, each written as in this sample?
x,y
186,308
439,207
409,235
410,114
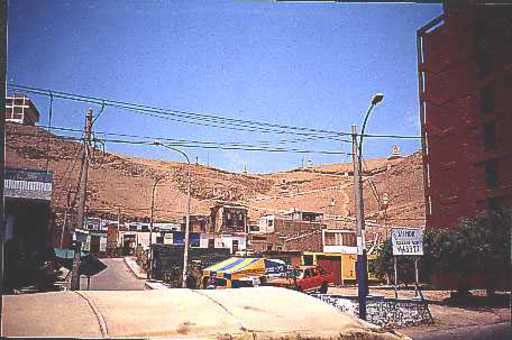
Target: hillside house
x,y
274,230
198,223
228,218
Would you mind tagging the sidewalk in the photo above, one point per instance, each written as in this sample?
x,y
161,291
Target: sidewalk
x,y
135,268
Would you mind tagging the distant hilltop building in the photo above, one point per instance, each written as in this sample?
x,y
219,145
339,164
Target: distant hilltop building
x,y
395,152
20,109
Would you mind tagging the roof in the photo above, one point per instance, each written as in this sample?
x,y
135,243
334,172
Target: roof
x,y
265,312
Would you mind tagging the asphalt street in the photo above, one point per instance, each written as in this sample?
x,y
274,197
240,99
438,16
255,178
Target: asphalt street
x,y
496,331
117,276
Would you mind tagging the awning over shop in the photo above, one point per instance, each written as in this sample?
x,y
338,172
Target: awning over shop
x,y
237,267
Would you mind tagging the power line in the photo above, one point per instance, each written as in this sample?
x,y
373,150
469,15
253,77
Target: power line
x,y
262,143
190,115
202,145
391,136
203,119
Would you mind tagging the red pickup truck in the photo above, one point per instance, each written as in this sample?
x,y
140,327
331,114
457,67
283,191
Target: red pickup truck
x,y
305,279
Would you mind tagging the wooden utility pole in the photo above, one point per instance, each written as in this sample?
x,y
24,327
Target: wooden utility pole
x,y
75,273
75,278
63,230
82,193
151,221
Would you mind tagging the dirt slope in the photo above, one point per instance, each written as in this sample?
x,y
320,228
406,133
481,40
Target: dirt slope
x,y
124,182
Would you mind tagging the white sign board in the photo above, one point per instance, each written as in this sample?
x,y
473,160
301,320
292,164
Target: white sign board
x,y
407,241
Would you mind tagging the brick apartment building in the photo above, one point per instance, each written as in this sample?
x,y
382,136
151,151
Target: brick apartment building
x,y
465,84
274,230
20,109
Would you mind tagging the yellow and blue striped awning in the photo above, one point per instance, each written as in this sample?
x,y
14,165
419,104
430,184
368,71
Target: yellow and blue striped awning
x,y
235,265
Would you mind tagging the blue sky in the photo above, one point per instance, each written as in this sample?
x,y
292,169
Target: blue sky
x,y
309,65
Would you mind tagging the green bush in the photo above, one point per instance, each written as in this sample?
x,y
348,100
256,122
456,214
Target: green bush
x,y
480,246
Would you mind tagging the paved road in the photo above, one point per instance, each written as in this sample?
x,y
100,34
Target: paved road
x,y
495,331
117,276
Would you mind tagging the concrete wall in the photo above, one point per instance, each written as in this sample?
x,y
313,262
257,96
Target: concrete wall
x,y
383,312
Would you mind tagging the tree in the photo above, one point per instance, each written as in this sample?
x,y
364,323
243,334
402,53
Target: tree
x,y
383,266
478,247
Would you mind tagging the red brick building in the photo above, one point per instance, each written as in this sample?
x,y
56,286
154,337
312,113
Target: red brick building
x,y
274,231
20,109
465,85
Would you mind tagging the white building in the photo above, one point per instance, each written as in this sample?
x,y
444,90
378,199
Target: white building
x,y
339,241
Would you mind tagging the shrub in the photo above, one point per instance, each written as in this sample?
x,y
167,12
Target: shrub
x,y
476,247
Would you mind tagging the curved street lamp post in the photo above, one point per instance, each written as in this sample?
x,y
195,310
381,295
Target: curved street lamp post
x,y
357,150
187,222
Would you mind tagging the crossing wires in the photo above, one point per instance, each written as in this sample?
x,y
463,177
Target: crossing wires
x,y
190,117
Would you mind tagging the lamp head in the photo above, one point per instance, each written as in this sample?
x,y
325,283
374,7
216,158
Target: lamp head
x,y
377,98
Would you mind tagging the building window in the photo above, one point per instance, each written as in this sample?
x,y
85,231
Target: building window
x,y
490,135
491,174
486,99
308,260
330,239
349,239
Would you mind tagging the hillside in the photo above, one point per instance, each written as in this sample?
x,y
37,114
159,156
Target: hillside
x,y
124,182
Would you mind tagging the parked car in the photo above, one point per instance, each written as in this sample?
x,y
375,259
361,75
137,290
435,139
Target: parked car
x,y
305,279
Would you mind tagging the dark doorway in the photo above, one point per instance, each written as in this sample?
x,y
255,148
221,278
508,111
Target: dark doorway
x,y
26,246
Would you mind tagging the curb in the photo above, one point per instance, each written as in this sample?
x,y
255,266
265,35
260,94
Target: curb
x,y
128,263
155,285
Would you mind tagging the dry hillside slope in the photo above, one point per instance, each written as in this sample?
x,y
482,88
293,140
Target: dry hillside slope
x,y
124,182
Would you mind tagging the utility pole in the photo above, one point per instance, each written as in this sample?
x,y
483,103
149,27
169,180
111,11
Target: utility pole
x,y
62,232
3,92
187,230
361,272
151,222
75,279
75,274
85,169
118,218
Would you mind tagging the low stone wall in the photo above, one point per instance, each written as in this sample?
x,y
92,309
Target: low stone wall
x,y
389,313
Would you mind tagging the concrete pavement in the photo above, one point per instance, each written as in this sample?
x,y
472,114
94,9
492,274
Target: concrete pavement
x,y
117,276
264,312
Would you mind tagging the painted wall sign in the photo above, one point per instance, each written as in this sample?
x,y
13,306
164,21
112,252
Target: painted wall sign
x,y
28,184
407,241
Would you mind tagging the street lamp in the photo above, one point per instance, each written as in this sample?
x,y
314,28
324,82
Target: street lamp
x,y
357,150
187,223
